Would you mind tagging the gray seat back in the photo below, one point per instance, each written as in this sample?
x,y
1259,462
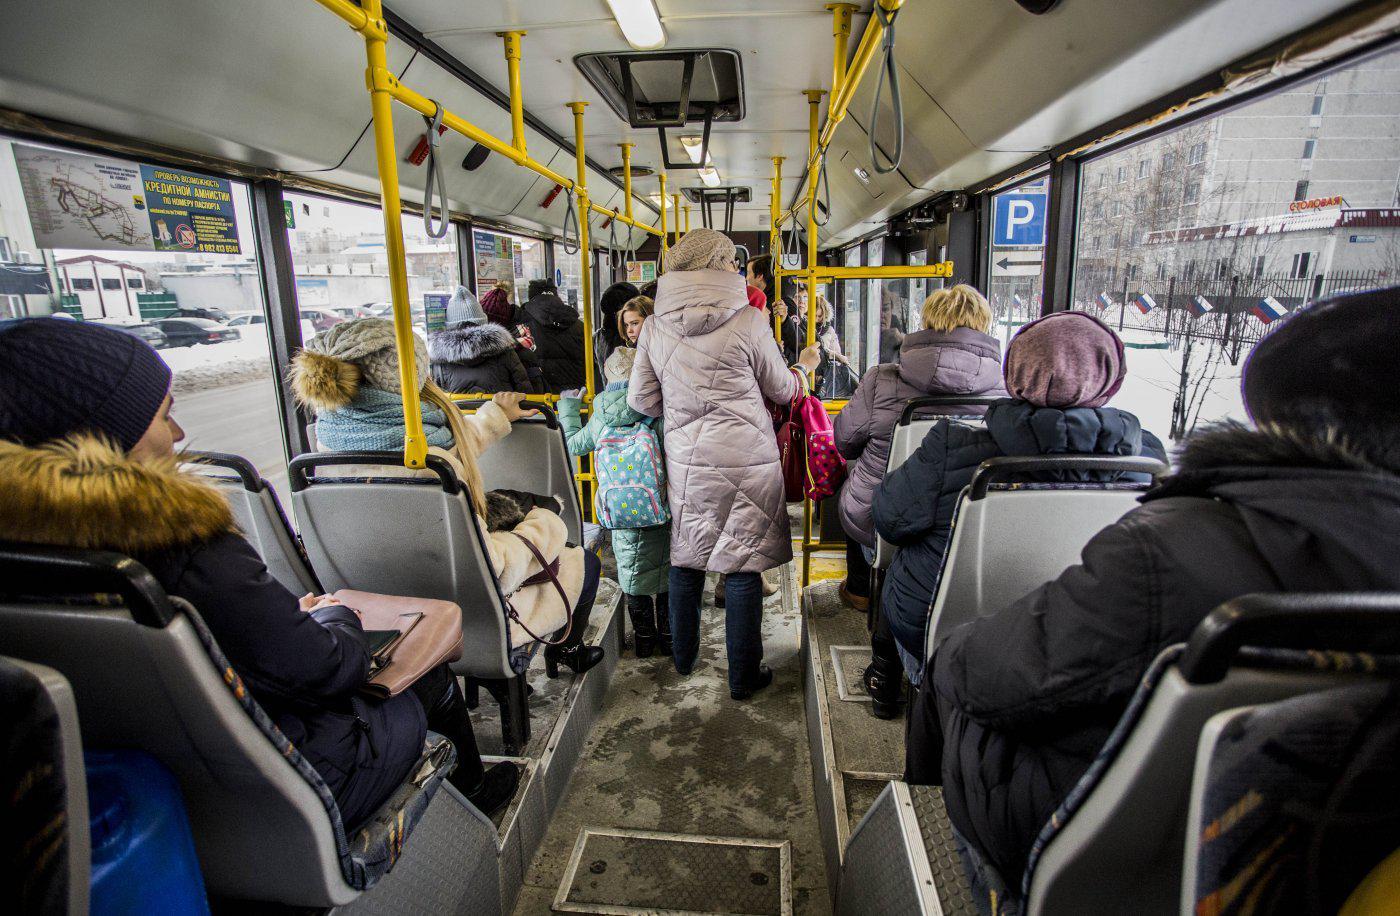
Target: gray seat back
x,y
908,435
535,458
259,516
79,845
1006,543
143,679
1116,844
413,536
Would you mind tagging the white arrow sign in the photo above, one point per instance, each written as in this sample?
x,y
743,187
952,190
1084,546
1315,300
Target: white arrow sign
x,y
1017,264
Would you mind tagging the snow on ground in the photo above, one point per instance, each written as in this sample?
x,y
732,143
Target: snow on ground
x,y
1154,376
201,367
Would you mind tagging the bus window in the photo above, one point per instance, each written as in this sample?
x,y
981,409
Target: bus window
x,y
342,267
118,242
569,275
1017,255
1237,222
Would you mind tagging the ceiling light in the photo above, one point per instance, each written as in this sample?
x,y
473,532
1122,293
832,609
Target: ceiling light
x,y
863,175
693,145
640,24
655,198
710,176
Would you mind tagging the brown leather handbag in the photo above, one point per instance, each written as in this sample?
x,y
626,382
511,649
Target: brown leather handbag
x,y
431,639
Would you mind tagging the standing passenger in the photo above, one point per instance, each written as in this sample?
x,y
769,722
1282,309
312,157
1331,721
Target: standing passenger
x,y
709,361
631,318
557,331
499,310
641,531
473,354
607,338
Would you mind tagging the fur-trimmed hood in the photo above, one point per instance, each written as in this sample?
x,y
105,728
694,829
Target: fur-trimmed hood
x,y
84,492
1233,444
469,344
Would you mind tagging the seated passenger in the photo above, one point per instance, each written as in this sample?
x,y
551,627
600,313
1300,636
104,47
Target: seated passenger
x,y
641,542
472,354
1017,705
953,354
349,376
1060,372
87,460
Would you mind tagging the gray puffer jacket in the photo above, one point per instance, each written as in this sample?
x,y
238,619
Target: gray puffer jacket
x,y
708,359
961,361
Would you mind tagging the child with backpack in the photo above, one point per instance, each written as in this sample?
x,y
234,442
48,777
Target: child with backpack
x,y
630,500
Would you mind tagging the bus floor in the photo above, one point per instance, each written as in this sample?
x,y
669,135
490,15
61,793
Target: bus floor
x,y
676,755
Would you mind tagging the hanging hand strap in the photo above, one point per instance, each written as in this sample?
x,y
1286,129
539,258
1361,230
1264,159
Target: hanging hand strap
x,y
549,572
612,244
890,70
435,178
570,216
826,192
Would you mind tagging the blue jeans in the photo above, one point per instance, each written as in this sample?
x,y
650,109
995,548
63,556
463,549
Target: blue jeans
x,y
743,622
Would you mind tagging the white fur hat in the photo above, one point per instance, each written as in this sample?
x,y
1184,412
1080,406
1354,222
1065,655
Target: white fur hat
x,y
618,367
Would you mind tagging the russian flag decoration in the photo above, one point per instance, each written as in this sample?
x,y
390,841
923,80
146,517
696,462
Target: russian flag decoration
x,y
1105,300
1144,303
1016,298
1199,305
1268,309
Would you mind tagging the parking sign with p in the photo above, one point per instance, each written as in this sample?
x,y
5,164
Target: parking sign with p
x,y
1019,218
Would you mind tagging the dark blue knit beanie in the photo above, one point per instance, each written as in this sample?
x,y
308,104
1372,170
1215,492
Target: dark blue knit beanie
x,y
62,377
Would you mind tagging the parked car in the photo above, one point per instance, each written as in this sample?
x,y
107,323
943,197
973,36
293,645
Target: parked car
x,y
244,320
144,330
209,313
349,312
186,332
321,319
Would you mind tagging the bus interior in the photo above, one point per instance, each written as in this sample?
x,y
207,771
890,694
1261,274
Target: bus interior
x,y
1185,171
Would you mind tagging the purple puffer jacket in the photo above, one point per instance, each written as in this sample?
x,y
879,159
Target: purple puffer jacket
x,y
709,360
962,361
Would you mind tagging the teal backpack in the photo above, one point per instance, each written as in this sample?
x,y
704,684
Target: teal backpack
x,y
631,478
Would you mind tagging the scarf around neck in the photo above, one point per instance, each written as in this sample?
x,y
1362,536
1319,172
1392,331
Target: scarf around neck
x,y
373,421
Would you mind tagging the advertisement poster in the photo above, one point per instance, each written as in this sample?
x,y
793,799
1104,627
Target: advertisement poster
x,y
518,258
435,310
494,257
90,202
313,292
641,271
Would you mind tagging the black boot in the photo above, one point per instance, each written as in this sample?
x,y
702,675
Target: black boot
x,y
643,629
577,658
496,789
663,623
886,689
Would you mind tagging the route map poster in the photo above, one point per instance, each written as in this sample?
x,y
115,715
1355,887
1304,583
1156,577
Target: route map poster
x,y
90,202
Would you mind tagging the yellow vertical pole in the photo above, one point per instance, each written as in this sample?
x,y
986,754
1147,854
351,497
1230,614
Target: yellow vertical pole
x,y
415,447
627,178
517,98
584,254
586,293
841,32
676,209
687,217
664,241
814,98
775,243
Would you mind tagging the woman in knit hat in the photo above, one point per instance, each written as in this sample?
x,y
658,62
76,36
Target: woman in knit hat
x,y
349,376
472,354
499,311
708,361
87,460
1017,704
1060,373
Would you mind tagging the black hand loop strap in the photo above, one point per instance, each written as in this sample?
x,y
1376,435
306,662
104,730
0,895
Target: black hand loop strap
x,y
570,216
796,250
890,70
826,193
434,178
612,243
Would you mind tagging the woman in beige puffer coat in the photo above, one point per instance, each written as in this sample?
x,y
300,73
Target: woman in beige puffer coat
x,y
708,361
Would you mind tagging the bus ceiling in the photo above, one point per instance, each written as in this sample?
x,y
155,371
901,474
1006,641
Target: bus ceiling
x,y
987,86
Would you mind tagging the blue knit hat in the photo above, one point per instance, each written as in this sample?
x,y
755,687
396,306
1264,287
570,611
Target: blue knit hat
x,y
62,377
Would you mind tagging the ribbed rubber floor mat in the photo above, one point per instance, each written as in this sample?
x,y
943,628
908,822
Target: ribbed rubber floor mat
x,y
948,874
849,663
633,872
861,791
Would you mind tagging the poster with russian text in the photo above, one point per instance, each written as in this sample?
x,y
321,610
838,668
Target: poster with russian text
x,y
94,202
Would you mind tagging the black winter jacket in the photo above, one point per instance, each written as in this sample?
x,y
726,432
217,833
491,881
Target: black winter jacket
x,y
558,333
480,358
1026,698
303,669
913,507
